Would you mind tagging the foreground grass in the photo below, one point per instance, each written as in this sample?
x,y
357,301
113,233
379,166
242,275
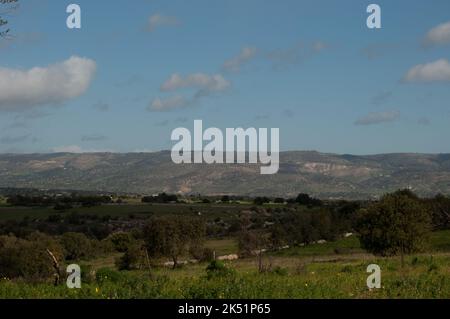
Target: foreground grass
x,y
333,270
422,277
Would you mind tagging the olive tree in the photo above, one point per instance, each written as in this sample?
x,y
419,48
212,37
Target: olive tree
x,y
172,236
398,224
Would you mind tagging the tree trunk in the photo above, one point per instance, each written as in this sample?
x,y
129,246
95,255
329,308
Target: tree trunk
x,y
148,262
260,261
402,257
175,262
55,266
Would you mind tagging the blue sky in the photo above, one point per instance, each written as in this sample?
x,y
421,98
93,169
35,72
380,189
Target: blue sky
x,y
137,70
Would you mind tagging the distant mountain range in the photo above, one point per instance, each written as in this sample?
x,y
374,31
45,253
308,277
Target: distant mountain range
x,y
319,174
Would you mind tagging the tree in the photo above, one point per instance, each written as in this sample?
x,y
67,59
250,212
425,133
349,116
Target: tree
x,y
305,199
440,211
121,241
133,258
29,259
277,237
252,242
397,224
261,200
6,6
172,236
76,245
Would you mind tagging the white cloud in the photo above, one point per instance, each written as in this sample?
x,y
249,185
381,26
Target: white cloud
x,y
378,118
439,35
170,103
234,64
24,89
158,20
282,58
77,149
203,84
201,81
437,71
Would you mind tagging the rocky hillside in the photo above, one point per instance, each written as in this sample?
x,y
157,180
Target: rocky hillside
x,y
319,174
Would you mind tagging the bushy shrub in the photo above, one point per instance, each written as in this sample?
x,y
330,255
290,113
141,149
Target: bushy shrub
x,y
133,258
218,269
108,275
87,274
20,258
76,246
121,241
398,224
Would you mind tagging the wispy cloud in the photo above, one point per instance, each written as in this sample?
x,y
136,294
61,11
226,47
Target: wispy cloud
x,y
168,104
201,81
204,85
378,118
439,35
159,20
282,58
377,50
235,63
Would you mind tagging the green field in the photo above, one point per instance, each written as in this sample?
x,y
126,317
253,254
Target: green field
x,y
210,210
331,270
328,270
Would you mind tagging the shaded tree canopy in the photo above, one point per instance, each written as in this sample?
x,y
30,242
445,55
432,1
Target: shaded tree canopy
x,y
173,236
399,223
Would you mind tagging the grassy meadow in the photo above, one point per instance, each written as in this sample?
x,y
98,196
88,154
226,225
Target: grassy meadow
x,y
330,270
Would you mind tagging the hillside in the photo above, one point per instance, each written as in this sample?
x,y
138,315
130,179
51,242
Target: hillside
x,y
319,174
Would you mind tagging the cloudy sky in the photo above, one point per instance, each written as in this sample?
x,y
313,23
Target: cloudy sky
x,y
137,70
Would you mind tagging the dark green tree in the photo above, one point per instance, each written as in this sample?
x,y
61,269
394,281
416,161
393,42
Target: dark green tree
x,y
398,224
305,199
133,258
28,259
76,245
172,236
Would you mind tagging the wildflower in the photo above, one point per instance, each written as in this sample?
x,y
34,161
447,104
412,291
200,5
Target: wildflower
x,y
96,289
